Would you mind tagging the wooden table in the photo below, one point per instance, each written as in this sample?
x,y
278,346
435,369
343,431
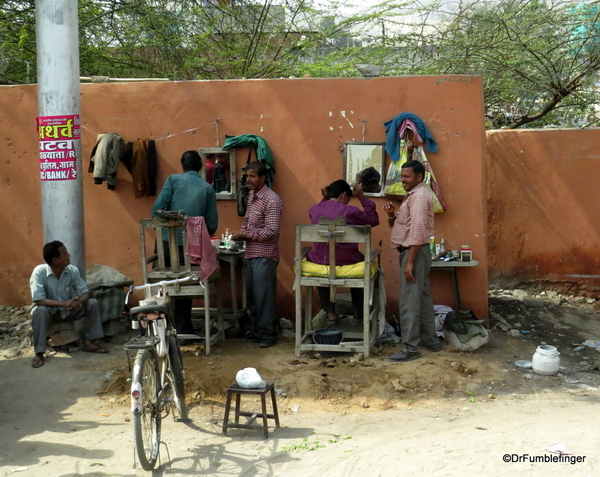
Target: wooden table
x,y
233,257
450,267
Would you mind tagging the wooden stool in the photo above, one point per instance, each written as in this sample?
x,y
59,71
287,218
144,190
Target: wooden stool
x,y
238,391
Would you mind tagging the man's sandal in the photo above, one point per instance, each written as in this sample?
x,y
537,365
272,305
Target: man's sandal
x,y
38,361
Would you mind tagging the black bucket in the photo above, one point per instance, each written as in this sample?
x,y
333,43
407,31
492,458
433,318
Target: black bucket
x,y
328,336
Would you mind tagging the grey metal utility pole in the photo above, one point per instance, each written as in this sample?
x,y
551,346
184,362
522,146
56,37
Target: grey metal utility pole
x,y
57,38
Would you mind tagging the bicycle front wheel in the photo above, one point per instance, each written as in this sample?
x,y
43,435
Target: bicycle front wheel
x,y
146,415
175,375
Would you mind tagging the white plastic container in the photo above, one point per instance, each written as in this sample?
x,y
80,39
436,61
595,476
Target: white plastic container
x,y
466,254
546,360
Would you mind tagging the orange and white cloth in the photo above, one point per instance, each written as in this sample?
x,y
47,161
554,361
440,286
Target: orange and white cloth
x,y
199,247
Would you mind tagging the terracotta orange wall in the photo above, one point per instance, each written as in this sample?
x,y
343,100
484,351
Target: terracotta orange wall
x,y
305,122
543,196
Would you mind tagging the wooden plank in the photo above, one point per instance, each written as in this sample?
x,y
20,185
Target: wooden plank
x,y
320,233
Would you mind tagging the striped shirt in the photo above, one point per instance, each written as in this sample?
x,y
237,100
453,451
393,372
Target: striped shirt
x,y
262,223
414,220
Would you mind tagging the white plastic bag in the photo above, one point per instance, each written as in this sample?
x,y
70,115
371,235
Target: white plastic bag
x,y
249,378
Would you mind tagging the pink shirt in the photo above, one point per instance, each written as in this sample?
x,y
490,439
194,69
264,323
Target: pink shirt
x,y
414,220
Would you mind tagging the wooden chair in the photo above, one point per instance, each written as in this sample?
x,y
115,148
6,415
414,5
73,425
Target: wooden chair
x,y
333,232
155,270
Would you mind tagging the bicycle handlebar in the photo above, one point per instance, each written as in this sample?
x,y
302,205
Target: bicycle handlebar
x,y
162,283
189,278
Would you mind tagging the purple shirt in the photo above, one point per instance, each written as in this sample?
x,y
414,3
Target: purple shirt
x,y
345,253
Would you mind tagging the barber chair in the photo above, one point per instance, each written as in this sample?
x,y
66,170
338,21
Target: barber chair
x,y
364,275
155,270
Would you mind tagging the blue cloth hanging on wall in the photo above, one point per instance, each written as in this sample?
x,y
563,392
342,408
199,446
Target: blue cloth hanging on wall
x,y
392,143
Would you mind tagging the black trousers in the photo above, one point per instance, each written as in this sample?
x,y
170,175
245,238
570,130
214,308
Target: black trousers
x,y
261,290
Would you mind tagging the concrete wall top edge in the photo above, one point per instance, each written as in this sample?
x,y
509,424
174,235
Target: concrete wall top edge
x,y
536,130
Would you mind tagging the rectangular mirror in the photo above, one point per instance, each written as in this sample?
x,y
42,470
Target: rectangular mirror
x,y
219,170
364,163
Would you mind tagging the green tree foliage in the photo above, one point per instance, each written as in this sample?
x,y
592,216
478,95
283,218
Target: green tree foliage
x,y
184,39
17,41
539,59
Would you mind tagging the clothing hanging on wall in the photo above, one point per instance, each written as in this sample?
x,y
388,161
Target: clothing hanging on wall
x,y
105,157
392,134
404,133
140,159
127,158
144,168
263,153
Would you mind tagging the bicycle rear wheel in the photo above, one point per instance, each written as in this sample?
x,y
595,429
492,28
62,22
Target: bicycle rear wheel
x,y
175,375
146,418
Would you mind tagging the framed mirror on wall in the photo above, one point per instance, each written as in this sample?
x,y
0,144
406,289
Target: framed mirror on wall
x,y
364,162
219,170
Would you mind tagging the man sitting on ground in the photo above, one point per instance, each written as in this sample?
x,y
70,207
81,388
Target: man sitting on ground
x,y
336,197
60,294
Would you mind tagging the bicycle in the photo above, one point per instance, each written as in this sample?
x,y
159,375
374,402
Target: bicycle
x,y
157,378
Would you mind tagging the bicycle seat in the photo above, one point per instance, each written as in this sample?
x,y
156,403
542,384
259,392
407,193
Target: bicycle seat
x,y
149,309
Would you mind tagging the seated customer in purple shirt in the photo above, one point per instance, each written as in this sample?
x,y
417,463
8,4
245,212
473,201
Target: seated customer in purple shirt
x,y
336,197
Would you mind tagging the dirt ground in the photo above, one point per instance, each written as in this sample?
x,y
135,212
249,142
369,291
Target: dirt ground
x,y
449,413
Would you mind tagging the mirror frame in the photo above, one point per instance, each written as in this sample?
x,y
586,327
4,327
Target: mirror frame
x,y
203,151
380,161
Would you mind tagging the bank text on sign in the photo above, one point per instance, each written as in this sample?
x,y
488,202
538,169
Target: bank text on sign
x,y
57,136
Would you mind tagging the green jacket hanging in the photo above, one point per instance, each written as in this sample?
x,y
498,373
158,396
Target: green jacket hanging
x,y
263,153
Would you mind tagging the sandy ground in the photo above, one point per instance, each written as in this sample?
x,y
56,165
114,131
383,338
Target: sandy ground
x,y
71,417
446,414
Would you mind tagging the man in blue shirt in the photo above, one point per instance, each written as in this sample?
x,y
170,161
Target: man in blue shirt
x,y
60,294
197,198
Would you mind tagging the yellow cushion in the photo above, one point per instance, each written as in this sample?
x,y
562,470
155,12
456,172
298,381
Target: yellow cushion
x,y
354,270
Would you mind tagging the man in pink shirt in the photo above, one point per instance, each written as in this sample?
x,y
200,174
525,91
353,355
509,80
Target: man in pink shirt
x,y
412,226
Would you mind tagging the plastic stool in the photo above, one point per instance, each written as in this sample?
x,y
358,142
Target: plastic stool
x,y
238,391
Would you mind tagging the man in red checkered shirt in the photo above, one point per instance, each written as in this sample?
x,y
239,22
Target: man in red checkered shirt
x,y
412,227
260,230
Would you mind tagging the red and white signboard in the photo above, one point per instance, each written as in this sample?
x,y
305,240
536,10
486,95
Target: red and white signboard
x,y
58,156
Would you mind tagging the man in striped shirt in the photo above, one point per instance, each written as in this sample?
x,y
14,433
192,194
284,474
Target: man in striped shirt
x,y
412,226
260,230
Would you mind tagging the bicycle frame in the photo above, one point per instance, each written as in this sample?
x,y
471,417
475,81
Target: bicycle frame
x,y
157,370
157,339
158,332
